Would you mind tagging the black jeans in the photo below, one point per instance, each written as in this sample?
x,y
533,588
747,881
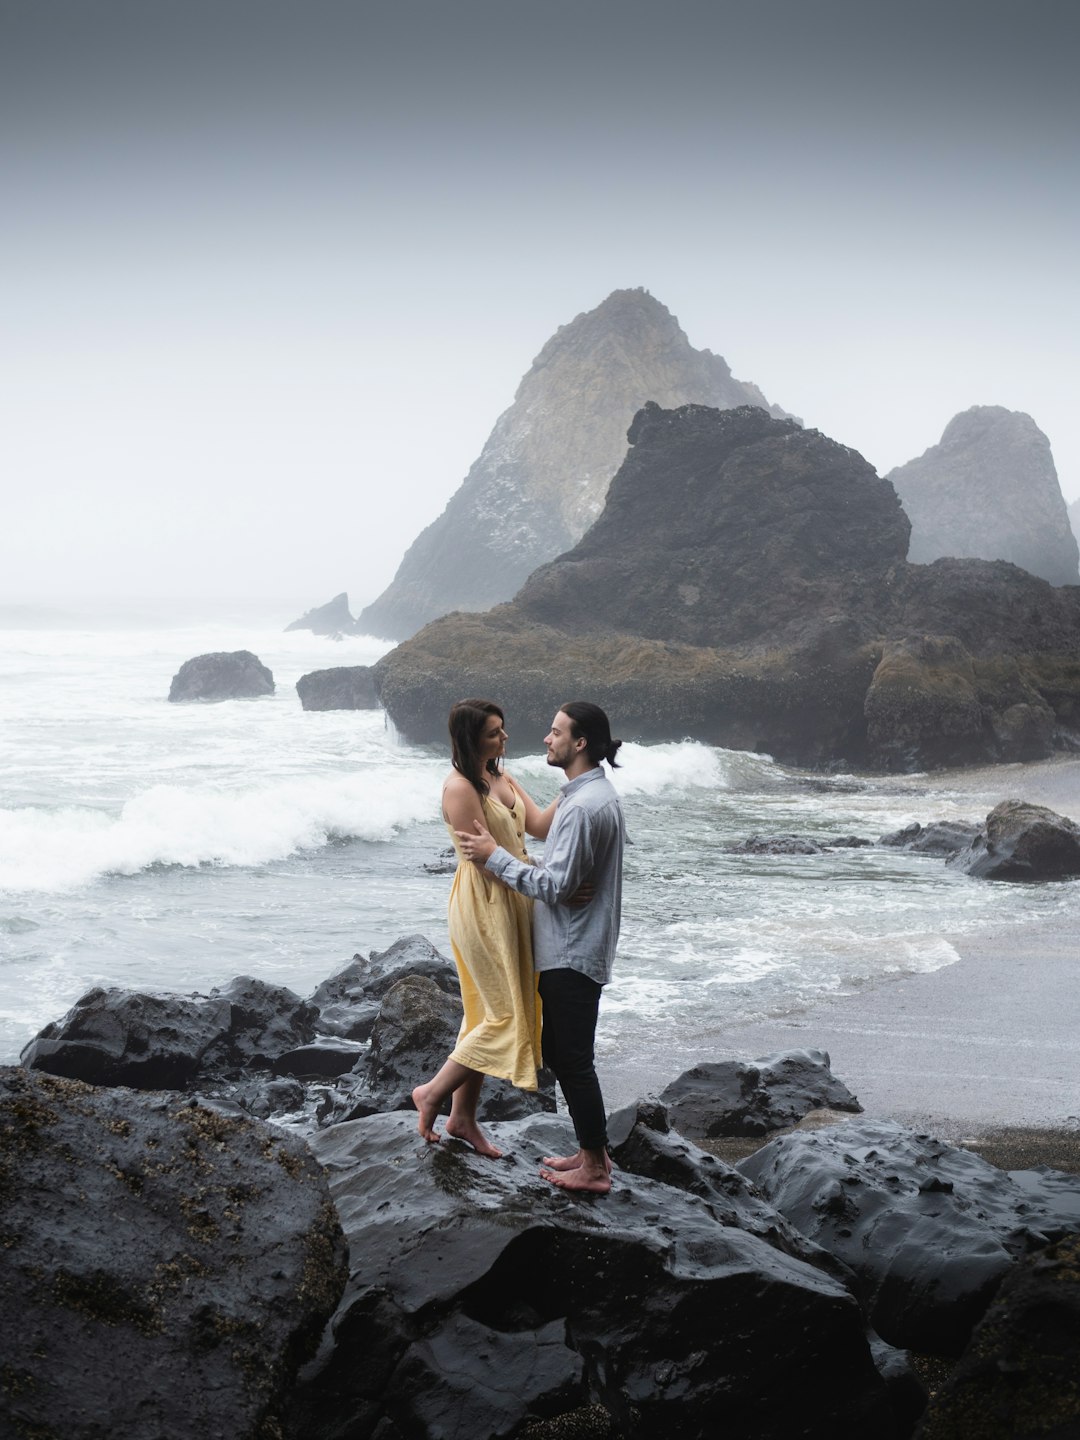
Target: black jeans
x,y
570,1003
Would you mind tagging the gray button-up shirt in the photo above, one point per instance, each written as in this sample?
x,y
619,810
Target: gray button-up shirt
x,y
585,843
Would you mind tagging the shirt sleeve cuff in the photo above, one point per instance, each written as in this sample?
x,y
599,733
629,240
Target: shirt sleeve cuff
x,y
497,860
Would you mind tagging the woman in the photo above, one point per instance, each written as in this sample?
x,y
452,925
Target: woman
x,y
490,932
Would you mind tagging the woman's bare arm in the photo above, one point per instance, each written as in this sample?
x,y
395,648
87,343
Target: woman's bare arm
x,y
461,803
537,821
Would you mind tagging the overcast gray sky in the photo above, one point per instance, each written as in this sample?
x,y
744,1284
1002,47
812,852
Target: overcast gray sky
x,y
271,271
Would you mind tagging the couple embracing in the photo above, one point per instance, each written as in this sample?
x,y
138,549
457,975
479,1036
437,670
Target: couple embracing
x,y
530,938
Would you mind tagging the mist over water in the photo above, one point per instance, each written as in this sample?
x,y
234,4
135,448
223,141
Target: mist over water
x,y
160,846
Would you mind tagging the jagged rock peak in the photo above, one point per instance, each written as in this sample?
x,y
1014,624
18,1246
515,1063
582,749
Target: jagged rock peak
x,y
989,491
543,475
722,526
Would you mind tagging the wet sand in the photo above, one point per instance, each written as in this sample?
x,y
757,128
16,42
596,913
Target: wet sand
x,y
986,1050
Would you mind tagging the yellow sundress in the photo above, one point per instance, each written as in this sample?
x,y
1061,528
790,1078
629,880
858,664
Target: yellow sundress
x,y
491,938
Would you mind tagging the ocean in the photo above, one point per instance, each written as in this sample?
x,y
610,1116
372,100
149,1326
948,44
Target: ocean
x,y
171,847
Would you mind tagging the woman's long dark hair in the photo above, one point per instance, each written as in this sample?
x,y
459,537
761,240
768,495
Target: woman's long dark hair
x,y
467,721
588,721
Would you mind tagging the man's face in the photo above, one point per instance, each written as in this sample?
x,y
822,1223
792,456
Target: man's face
x,y
560,743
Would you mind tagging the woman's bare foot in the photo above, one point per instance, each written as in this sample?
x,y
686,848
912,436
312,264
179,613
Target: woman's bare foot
x,y
470,1132
427,1114
588,1177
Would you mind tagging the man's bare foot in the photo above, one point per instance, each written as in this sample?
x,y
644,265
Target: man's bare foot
x,y
471,1133
427,1114
587,1178
571,1162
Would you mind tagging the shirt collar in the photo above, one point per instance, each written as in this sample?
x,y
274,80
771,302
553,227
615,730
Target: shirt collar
x,y
596,773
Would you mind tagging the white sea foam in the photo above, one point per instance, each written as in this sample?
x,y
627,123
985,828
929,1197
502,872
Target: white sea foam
x,y
675,767
56,850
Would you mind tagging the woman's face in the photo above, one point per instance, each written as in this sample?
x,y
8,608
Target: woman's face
x,y
493,739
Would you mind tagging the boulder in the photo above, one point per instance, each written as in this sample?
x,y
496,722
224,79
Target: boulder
x,y
742,1097
124,1037
1019,1378
481,1297
348,1003
331,619
930,1230
940,837
416,1028
236,1045
223,675
642,1142
164,1269
746,585
167,1041
1020,841
264,1021
347,687
923,704
775,845
989,490
542,476
329,1056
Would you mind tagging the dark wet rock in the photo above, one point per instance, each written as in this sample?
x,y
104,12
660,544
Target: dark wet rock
x,y
124,1037
923,703
264,1021
279,1097
940,837
446,864
849,842
1019,1379
745,584
907,1393
346,687
929,1229
416,1029
223,675
775,845
331,619
642,1142
744,1097
541,479
330,1056
1020,841
641,1302
348,1002
167,1041
989,489
164,1270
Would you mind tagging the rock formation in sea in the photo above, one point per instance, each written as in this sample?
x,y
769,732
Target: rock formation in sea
x,y
543,474
345,687
1074,519
222,675
989,490
333,618
746,584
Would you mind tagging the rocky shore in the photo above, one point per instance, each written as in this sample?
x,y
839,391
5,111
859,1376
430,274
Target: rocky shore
x,y
787,1251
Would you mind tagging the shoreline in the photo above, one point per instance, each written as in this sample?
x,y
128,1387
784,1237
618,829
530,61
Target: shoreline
x,y
984,1052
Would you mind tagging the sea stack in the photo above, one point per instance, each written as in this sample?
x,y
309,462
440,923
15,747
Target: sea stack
x,y
746,586
543,475
989,490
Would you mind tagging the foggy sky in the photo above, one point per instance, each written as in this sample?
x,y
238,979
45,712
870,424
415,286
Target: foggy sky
x,y
271,271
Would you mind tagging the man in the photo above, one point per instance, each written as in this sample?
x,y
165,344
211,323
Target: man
x,y
573,947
